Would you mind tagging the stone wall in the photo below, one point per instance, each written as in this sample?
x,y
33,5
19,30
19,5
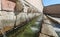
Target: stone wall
x,y
0,4
47,29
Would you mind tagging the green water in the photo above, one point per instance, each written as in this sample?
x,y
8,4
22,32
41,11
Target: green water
x,y
24,31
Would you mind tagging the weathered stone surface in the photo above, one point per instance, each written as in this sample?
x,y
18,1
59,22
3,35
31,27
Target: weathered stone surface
x,y
30,15
0,4
26,9
37,14
19,6
47,20
7,18
42,35
21,17
36,3
8,5
55,19
48,30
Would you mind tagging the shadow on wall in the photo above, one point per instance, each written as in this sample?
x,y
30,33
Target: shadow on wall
x,y
12,0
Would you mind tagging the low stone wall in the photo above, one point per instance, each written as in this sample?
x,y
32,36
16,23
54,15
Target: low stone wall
x,y
47,29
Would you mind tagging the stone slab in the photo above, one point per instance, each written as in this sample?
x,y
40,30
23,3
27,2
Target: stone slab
x,y
42,35
8,5
48,30
7,18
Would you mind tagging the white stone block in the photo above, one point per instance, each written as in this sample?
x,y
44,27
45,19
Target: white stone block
x,y
42,35
48,30
7,18
21,17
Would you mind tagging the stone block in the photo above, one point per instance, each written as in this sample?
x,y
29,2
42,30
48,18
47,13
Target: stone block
x,y
8,5
7,18
48,30
42,35
21,17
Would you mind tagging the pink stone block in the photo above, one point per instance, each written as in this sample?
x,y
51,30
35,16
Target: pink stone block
x,y
8,5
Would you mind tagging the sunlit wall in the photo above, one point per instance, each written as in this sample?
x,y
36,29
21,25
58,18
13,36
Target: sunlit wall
x,y
37,3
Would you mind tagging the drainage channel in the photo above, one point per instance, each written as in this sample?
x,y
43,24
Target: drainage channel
x,y
31,29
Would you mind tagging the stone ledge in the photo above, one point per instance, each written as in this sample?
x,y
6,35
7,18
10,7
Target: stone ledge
x,y
48,30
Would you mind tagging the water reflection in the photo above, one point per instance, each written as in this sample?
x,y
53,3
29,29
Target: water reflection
x,y
57,28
